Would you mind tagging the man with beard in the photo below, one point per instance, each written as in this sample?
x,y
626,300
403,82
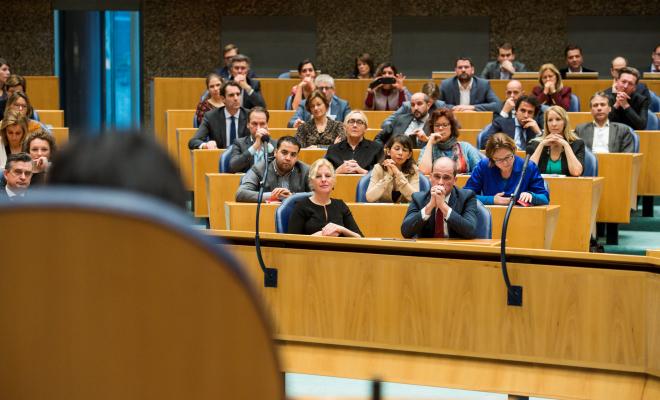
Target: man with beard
x,y
286,175
465,92
412,123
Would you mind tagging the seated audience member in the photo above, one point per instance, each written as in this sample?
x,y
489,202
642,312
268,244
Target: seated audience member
x,y
601,135
514,90
574,61
558,150
320,130
19,102
443,142
619,63
302,90
465,92
15,83
412,123
655,60
250,87
495,178
355,154
228,52
320,215
4,75
364,67
387,96
628,106
248,150
396,178
221,126
212,100
443,211
17,174
523,128
13,130
552,92
505,65
431,90
338,108
41,147
286,175
129,161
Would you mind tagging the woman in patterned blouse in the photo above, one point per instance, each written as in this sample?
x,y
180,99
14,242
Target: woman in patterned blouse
x,y
212,99
319,130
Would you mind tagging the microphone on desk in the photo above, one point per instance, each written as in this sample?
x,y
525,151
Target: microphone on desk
x,y
270,274
514,293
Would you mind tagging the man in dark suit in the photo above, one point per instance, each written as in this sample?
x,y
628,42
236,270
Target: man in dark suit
x,y
601,135
464,92
443,211
522,128
247,151
17,175
505,65
250,87
228,52
628,106
412,123
574,61
221,126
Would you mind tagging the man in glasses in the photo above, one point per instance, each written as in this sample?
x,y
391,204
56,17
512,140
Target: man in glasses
x,y
17,174
337,111
444,211
355,155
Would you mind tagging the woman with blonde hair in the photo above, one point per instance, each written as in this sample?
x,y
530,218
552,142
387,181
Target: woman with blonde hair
x,y
13,130
558,150
320,215
551,91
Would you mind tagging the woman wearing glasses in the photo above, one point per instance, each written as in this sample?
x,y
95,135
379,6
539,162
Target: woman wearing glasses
x,y
494,180
19,102
355,155
443,142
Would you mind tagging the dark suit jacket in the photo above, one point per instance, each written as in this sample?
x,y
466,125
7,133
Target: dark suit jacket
x,y
397,127
214,127
564,71
481,94
462,222
255,99
578,149
492,69
241,160
634,116
508,126
620,140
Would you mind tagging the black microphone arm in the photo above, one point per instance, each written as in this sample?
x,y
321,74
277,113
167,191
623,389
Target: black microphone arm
x,y
270,274
514,293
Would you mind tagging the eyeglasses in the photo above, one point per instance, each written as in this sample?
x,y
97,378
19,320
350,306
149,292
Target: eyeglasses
x,y
355,122
441,177
441,126
19,172
324,88
503,160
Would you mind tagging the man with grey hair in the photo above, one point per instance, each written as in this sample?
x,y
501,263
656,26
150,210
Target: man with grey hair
x,y
250,88
337,111
601,135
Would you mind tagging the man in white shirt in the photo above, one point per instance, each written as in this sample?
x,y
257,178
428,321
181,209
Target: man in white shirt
x,y
465,92
601,135
17,173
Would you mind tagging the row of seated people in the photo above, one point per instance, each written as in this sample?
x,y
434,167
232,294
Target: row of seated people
x,y
464,92
28,167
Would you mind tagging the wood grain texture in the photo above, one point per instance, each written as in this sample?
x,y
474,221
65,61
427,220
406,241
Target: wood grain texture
x,y
54,118
204,161
621,172
173,94
649,179
220,188
61,135
43,91
176,119
184,155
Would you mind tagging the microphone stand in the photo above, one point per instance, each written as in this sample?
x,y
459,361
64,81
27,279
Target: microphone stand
x,y
270,274
514,293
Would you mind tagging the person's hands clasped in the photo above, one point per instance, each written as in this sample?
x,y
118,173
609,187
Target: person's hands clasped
x,y
549,88
211,144
390,167
259,135
622,99
332,229
278,194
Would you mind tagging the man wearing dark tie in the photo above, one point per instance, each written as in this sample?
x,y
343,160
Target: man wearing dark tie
x,y
522,128
443,211
221,126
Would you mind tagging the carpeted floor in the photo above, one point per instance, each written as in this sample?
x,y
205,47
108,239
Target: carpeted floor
x,y
640,234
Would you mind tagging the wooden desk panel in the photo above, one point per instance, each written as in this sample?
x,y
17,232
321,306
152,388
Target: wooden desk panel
x,y
176,119
184,155
621,171
61,136
204,161
173,94
649,178
43,91
54,118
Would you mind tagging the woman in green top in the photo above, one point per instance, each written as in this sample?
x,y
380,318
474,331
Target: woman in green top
x,y
558,150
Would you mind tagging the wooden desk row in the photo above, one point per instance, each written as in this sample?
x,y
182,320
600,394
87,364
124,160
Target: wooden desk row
x,y
54,118
184,93
43,92
434,313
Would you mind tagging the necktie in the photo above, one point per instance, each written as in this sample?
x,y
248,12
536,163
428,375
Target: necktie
x,y
439,224
518,137
232,131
